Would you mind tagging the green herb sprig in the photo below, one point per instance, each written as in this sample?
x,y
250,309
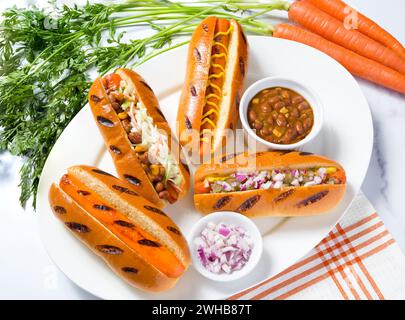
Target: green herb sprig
x,y
47,56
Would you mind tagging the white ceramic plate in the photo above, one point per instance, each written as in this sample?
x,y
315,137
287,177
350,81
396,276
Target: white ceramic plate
x,y
347,137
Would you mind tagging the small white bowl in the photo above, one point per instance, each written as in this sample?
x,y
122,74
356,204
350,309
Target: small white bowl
x,y
294,85
227,217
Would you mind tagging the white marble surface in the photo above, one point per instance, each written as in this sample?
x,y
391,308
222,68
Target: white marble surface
x,y
26,271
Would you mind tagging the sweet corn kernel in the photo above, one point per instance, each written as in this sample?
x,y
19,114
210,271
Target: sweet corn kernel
x,y
331,170
283,110
123,115
277,133
154,169
140,149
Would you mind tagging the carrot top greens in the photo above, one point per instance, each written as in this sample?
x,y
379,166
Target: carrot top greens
x,y
47,55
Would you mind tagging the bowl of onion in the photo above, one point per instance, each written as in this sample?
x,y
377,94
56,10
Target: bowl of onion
x,y
225,246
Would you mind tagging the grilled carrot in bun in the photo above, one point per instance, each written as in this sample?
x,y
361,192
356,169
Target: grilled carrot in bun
x,y
270,184
216,67
135,238
138,137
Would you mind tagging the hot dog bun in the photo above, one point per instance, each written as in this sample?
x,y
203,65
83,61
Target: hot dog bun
x,y
285,201
126,160
216,67
136,239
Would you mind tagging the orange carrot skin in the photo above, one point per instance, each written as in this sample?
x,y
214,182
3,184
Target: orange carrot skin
x,y
340,10
317,21
354,63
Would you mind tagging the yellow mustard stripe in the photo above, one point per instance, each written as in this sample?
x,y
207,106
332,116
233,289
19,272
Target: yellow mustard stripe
x,y
205,140
215,109
213,104
210,112
219,55
216,65
224,33
209,121
210,84
216,43
216,75
212,95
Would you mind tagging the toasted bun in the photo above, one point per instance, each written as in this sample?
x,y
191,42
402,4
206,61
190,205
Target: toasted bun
x,y
116,140
289,201
128,263
193,94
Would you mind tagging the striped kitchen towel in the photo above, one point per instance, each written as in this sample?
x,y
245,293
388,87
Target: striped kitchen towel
x,y
359,259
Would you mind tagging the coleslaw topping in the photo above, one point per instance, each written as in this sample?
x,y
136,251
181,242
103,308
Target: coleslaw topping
x,y
154,141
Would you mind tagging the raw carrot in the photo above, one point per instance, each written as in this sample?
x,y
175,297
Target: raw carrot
x,y
315,20
356,64
341,11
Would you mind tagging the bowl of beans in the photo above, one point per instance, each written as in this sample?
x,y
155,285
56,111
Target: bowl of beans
x,y
281,113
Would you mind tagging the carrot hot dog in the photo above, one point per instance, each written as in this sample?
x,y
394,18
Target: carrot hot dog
x,y
138,137
274,184
134,237
217,64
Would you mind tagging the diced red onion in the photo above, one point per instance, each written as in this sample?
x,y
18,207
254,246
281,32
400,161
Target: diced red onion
x,y
240,177
224,231
223,248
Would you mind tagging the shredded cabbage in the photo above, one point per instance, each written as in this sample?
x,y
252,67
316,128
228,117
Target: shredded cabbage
x,y
155,142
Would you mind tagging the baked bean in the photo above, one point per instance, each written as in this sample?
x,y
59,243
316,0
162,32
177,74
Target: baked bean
x,y
303,105
164,194
299,127
286,109
289,135
274,100
252,115
159,187
294,113
126,124
307,123
266,108
270,121
258,125
135,137
144,158
297,100
285,94
264,131
281,120
279,105
267,95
